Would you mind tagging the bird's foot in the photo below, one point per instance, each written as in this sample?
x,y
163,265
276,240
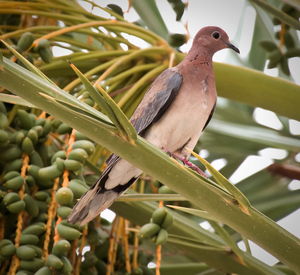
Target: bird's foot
x,y
186,162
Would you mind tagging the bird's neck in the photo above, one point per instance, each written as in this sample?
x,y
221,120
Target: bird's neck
x,y
200,56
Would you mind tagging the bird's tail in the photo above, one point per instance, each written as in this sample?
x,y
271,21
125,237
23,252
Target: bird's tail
x,y
104,192
94,201
91,204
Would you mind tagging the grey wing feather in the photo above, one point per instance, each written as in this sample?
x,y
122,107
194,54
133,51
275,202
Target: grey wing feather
x,y
157,99
155,102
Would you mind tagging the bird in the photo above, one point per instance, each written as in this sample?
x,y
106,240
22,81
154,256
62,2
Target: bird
x,y
172,115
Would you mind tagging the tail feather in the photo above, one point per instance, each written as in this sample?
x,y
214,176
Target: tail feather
x,y
95,200
91,205
115,179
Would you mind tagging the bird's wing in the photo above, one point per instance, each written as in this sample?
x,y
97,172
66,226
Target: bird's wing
x,y
155,102
158,98
210,117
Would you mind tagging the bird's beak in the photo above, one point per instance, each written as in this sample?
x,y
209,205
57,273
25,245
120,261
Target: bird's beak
x,y
229,45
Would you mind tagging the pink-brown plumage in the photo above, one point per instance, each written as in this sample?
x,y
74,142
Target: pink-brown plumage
x,y
172,115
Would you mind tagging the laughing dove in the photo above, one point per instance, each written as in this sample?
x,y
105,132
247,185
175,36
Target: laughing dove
x,y
172,115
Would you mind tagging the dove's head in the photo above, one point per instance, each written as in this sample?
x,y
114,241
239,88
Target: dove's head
x,y
212,39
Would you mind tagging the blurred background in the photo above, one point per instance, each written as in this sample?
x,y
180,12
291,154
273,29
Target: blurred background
x,y
255,148
238,19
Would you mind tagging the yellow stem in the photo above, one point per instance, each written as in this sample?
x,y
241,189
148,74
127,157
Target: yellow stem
x,y
281,36
110,263
117,237
119,17
129,72
135,264
78,258
111,23
91,72
42,115
46,6
158,260
73,254
158,249
51,216
126,247
58,16
172,59
65,182
124,59
15,260
56,237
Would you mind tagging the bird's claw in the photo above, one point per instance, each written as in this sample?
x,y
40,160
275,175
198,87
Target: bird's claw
x,y
186,162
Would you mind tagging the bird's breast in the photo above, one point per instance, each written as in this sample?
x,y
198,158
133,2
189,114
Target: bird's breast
x,y
185,117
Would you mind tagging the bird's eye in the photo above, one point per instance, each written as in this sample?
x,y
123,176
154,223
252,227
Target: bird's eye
x,y
215,35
